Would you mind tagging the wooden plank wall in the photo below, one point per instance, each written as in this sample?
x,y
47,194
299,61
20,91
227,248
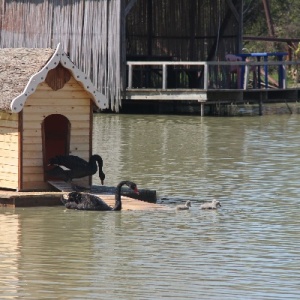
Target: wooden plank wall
x,y
9,138
73,102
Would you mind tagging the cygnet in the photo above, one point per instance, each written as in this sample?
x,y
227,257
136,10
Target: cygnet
x,y
214,204
186,206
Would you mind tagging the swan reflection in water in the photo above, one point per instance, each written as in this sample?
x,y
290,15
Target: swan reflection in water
x,y
86,201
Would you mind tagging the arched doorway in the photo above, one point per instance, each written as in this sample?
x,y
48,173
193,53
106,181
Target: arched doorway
x,y
56,137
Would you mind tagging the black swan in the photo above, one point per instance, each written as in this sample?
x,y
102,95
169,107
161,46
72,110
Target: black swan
x,y
214,204
86,201
68,167
186,206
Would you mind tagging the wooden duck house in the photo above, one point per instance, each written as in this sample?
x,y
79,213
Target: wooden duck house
x,y
46,109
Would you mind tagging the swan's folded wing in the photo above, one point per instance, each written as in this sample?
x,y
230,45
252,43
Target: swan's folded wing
x,y
95,202
69,161
58,172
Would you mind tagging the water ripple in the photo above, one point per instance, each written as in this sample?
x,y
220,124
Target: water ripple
x,y
248,249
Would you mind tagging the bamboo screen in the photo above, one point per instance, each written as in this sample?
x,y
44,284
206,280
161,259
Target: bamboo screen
x,y
88,30
187,30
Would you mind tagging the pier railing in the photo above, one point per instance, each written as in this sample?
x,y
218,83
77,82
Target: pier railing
x,y
208,75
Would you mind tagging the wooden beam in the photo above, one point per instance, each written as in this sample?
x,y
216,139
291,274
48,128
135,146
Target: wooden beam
x,y
149,25
233,9
192,29
241,27
271,39
266,4
129,7
221,33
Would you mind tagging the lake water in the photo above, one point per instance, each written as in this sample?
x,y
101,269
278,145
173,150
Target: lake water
x,y
248,249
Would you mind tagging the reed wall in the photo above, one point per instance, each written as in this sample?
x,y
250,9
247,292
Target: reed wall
x,y
88,30
99,35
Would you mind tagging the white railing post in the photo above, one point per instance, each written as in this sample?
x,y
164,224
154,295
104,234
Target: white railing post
x,y
206,76
130,76
164,77
206,67
284,76
246,77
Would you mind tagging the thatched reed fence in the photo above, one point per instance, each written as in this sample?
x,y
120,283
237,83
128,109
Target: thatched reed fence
x,y
187,30
102,35
88,30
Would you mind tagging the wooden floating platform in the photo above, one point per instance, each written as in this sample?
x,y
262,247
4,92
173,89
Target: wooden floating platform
x,y
215,96
132,204
52,198
28,199
207,102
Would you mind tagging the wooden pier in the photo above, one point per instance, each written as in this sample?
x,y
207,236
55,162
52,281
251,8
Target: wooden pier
x,y
170,82
15,199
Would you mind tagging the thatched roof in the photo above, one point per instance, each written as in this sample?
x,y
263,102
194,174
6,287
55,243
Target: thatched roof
x,y
22,69
17,65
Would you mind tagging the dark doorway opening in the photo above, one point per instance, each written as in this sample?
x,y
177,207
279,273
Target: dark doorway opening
x,y
56,138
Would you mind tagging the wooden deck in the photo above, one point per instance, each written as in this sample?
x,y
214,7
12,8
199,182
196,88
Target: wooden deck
x,y
215,85
215,96
52,198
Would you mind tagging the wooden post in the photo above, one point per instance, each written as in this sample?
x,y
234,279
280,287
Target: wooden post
x,y
123,45
260,103
201,109
129,7
149,25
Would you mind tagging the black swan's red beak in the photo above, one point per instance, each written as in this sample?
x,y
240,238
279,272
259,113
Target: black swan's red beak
x,y
136,190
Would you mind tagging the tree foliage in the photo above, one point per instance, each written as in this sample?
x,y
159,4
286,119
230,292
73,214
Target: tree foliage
x,y
285,16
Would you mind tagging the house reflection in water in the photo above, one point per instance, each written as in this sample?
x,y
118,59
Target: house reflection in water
x,y
9,253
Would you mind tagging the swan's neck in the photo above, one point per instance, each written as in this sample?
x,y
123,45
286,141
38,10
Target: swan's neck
x,y
94,159
99,160
118,202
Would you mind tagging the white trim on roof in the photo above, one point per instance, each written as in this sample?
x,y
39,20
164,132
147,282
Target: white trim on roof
x,y
59,56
